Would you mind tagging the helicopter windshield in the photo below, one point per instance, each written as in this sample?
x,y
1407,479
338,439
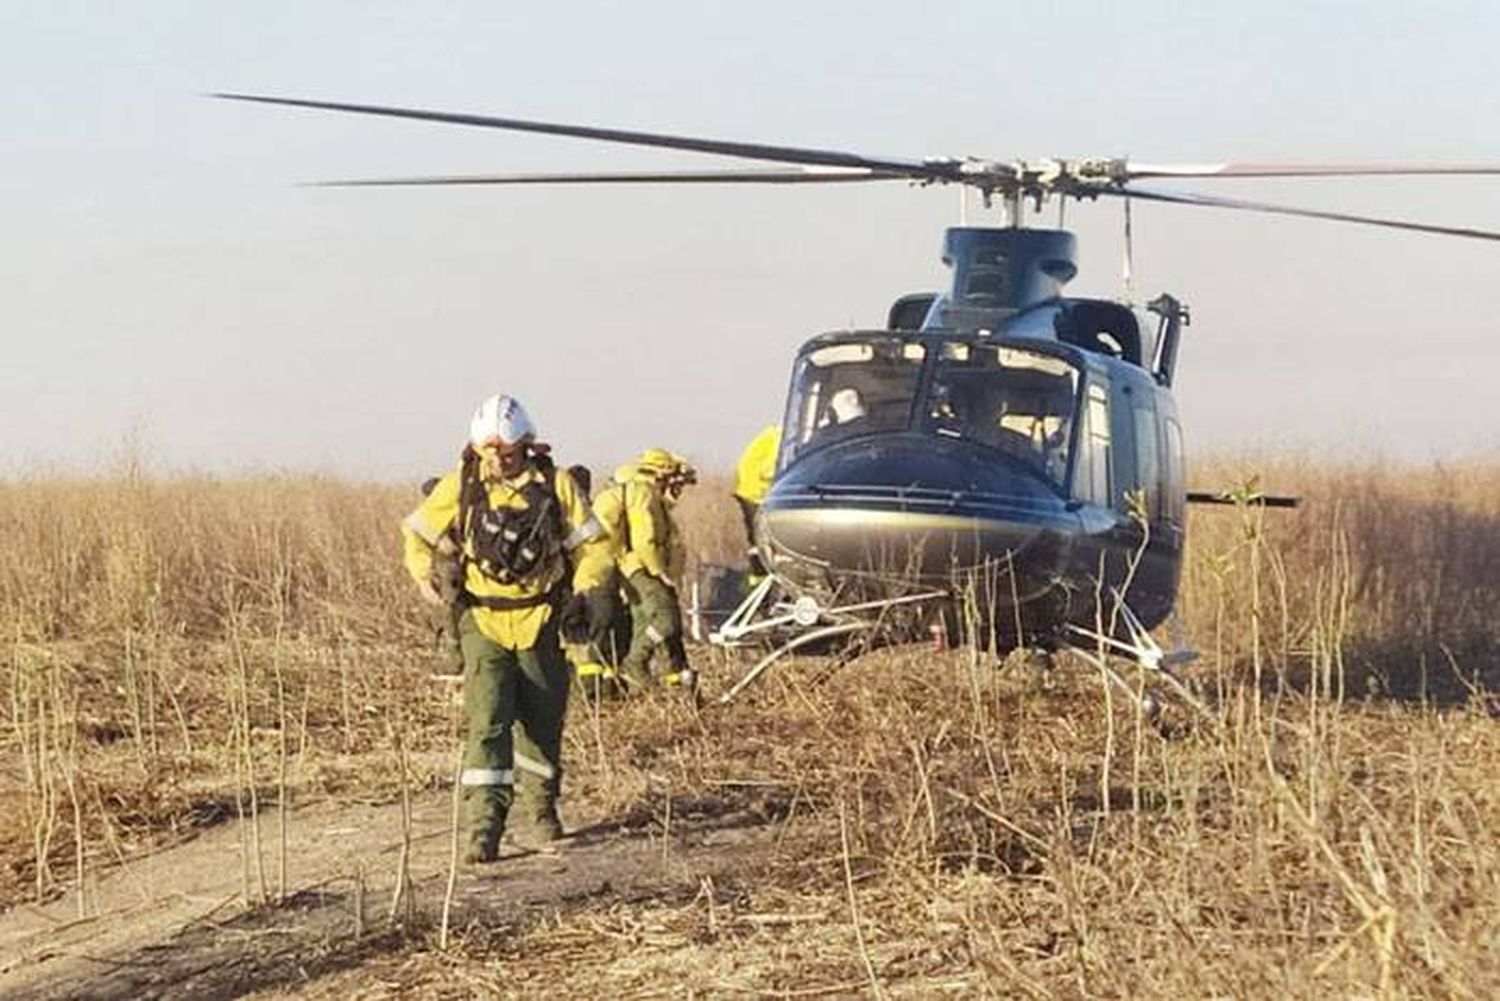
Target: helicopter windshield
x,y
1012,399
846,390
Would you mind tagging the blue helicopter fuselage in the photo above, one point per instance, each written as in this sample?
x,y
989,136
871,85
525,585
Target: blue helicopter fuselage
x,y
1019,443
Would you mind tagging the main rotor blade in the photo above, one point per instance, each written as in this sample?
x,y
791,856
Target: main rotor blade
x,y
1138,171
749,151
1210,201
767,175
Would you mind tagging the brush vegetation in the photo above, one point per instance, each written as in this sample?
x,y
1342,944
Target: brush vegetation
x,y
187,651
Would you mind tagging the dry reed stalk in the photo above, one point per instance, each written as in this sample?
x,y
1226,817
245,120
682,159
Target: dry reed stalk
x,y
27,714
1200,895
133,698
666,827
402,891
1101,630
68,764
279,674
112,839
453,836
359,900
247,805
853,898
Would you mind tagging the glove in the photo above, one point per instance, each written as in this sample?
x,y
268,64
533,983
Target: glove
x,y
573,620
447,576
602,604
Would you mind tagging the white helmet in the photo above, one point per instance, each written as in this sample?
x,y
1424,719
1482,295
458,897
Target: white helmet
x,y
502,417
846,405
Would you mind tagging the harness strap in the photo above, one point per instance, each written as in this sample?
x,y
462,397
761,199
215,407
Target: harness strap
x,y
499,604
625,517
517,555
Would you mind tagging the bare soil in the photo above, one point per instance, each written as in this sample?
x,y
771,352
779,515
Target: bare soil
x,y
170,926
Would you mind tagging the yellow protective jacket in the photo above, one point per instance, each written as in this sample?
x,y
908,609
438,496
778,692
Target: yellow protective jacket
x,y
638,522
757,466
585,548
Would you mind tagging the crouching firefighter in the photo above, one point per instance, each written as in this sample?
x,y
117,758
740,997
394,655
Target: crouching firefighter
x,y
525,539
636,513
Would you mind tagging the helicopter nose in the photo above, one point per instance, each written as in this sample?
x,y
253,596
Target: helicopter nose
x,y
919,507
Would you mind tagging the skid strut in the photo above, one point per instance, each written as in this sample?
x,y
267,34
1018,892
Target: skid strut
x,y
763,615
1141,649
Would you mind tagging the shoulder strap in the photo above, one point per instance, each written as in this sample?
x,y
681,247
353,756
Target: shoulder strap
x,y
625,516
548,469
471,493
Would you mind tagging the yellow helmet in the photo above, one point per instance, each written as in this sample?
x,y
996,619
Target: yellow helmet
x,y
660,464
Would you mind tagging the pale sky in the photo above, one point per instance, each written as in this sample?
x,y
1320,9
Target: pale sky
x,y
170,288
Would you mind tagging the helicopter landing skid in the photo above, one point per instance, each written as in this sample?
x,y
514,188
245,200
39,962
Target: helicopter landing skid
x,y
1141,649
761,615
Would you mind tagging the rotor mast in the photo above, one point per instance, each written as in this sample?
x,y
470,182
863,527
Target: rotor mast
x,y
1015,209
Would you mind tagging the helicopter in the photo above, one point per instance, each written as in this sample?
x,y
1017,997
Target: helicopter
x,y
1001,459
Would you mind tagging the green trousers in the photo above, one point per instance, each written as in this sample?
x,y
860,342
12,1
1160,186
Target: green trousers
x,y
655,623
514,704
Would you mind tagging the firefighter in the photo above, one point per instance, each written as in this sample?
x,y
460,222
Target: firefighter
x,y
636,512
590,641
525,537
752,481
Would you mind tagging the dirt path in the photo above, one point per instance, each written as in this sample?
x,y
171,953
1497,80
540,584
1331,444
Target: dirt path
x,y
172,924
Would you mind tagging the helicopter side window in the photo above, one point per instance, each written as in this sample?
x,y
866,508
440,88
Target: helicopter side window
x,y
1091,480
1147,457
847,390
1176,473
1011,399
1105,327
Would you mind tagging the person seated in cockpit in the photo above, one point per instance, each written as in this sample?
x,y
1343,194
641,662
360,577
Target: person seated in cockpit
x,y
943,408
844,407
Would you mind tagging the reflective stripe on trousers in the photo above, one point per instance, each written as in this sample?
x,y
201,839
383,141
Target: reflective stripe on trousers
x,y
535,767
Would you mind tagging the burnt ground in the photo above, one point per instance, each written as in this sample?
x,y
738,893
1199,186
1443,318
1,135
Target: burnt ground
x,y
174,925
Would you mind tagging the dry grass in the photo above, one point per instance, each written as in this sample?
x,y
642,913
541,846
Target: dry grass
x,y
191,651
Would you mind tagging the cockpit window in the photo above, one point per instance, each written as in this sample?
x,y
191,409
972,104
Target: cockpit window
x,y
1013,399
842,391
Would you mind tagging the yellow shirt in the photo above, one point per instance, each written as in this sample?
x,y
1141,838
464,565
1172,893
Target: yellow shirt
x,y
757,466
586,547
635,510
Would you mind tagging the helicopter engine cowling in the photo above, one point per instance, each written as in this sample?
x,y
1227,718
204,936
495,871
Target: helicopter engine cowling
x,y
997,273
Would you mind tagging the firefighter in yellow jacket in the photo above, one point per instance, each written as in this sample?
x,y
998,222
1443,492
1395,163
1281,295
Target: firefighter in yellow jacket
x,y
636,512
752,481
526,538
